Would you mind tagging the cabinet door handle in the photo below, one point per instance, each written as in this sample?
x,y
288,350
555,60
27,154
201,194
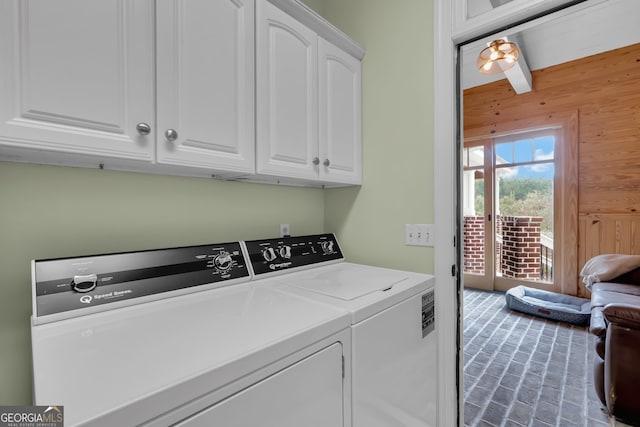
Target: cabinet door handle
x,y
316,161
326,162
171,135
143,128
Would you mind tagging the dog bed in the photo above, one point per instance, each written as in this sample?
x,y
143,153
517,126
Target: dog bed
x,y
550,305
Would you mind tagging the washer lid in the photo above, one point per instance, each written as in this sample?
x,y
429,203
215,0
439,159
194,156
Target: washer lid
x,y
136,362
348,281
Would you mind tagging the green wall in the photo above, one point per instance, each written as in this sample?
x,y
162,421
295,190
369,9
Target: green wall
x,y
397,130
49,211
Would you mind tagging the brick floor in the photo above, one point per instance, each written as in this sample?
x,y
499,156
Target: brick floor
x,y
521,370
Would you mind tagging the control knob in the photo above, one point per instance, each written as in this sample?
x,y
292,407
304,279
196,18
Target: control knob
x,y
269,254
327,247
223,261
84,283
285,252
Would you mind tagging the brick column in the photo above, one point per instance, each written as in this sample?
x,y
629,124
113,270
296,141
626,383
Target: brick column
x,y
474,244
521,247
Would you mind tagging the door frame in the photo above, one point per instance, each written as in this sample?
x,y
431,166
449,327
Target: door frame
x,y
565,193
484,281
447,132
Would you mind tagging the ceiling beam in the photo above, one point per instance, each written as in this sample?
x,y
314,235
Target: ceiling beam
x,y
519,75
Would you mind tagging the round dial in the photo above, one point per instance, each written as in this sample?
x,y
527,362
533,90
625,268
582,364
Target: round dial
x,y
84,283
327,247
269,254
285,252
223,261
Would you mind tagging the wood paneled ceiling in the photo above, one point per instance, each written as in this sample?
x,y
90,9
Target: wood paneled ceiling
x,y
588,29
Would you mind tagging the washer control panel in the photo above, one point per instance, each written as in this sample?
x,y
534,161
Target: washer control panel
x,y
70,284
272,255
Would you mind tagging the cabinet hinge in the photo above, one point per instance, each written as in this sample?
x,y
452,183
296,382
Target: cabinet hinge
x,y
453,270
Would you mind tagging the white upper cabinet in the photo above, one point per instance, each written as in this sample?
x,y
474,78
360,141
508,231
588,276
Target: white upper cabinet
x,y
205,90
340,145
79,78
257,90
287,95
308,101
77,86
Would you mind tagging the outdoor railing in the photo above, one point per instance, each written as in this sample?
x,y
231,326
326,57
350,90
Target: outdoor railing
x,y
546,263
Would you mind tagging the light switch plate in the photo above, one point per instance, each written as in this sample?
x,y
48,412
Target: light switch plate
x,y
418,234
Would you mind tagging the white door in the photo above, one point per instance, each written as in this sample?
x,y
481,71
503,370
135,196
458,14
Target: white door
x,y
287,91
77,77
339,87
206,84
308,393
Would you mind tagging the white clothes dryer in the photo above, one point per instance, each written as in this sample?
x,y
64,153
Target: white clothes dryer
x,y
393,336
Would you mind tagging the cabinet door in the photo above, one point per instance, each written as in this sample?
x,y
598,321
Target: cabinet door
x,y
206,83
340,115
309,393
287,90
76,77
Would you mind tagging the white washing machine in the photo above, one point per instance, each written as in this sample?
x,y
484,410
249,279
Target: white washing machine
x,y
393,338
208,347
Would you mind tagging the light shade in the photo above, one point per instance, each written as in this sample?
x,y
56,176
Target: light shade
x,y
498,57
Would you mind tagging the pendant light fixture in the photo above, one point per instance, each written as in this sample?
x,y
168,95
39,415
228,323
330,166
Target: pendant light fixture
x,y
498,57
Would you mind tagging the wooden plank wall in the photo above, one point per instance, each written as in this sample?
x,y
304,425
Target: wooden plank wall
x,y
604,90
607,234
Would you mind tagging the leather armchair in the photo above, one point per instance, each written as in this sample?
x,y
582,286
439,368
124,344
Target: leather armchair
x,y
615,320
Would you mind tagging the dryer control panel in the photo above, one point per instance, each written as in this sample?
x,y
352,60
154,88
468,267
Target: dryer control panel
x,y
285,253
69,287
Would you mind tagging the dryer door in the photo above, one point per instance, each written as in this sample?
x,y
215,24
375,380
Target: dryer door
x,y
307,393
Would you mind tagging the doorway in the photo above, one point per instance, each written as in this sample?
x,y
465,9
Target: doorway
x,y
449,45
509,210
